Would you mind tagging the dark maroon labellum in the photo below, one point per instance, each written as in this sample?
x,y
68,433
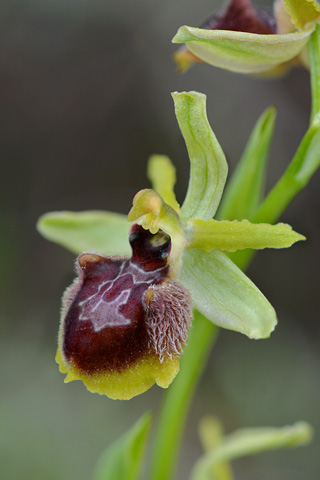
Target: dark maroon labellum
x,y
119,304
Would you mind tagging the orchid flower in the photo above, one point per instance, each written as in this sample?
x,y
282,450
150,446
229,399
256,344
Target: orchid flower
x,y
125,319
251,40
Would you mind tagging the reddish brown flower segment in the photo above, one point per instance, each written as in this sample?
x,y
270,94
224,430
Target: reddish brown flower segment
x,y
124,320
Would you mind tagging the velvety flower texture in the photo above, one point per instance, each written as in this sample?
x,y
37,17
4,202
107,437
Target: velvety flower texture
x,y
125,319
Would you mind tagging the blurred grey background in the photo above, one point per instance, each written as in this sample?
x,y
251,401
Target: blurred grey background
x,y
85,99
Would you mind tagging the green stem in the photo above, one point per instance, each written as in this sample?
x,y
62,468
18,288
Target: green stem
x,y
178,399
314,56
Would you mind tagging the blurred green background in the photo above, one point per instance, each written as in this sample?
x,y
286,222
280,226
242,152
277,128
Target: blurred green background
x,y
85,99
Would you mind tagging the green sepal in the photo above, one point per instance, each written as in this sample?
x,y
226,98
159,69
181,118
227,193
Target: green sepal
x,y
249,442
93,230
209,168
242,52
245,189
225,295
234,235
302,12
162,175
124,458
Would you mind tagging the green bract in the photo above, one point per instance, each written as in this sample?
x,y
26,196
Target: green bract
x,y
245,190
219,289
222,449
247,51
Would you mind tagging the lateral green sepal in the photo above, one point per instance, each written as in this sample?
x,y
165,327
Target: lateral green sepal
x,y
234,235
225,295
92,230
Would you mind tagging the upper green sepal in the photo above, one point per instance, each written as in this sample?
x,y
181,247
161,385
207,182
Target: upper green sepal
x,y
234,235
92,230
242,52
209,168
